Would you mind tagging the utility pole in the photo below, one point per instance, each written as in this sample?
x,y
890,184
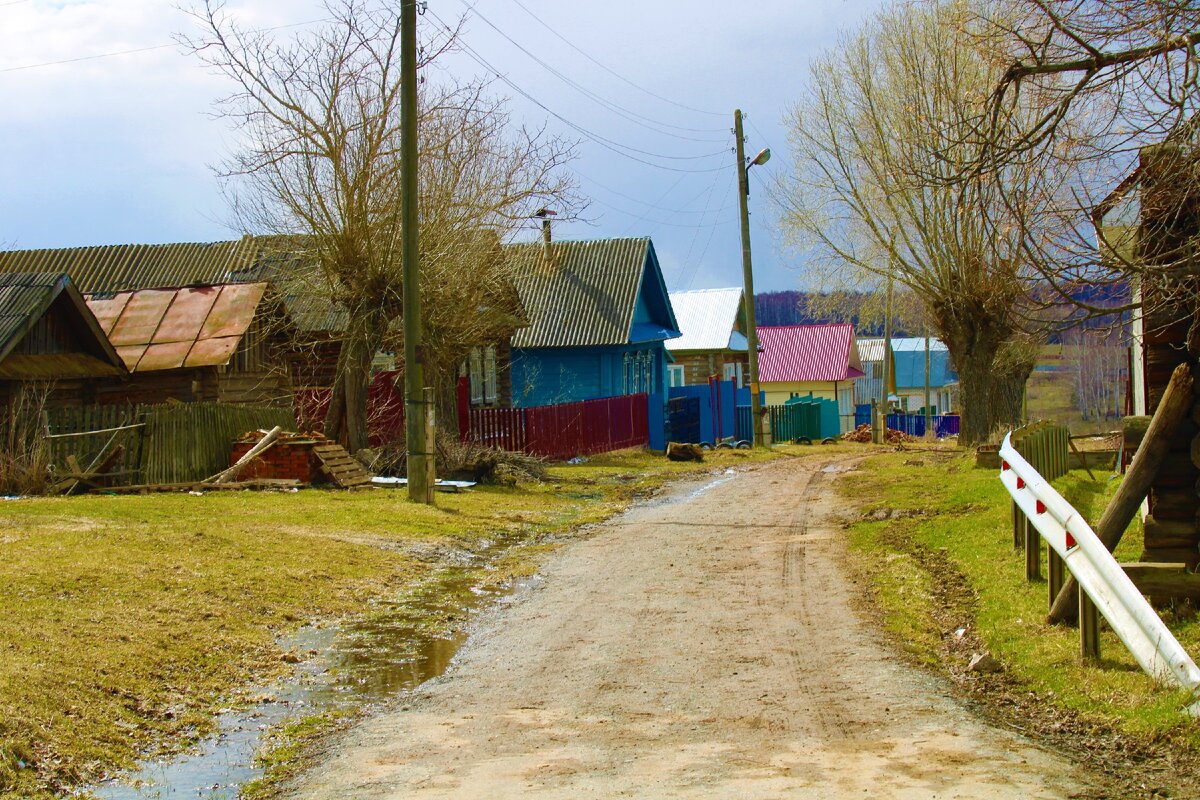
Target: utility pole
x,y
756,415
418,446
879,430
928,410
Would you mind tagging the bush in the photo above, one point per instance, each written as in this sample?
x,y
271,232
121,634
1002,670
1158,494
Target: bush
x,y
24,451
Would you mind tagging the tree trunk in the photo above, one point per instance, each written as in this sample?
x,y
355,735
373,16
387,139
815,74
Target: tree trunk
x,y
974,358
346,418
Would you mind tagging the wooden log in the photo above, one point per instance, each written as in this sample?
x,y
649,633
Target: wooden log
x,y
1171,555
1164,580
1176,402
240,464
1170,532
1178,504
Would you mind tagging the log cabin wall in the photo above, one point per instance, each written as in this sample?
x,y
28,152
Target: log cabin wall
x,y
1170,218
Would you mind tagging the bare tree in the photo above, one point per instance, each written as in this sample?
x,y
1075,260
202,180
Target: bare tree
x,y
317,163
880,188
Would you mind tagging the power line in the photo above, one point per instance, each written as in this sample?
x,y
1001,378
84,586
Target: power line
x,y
609,144
708,243
650,205
612,72
632,116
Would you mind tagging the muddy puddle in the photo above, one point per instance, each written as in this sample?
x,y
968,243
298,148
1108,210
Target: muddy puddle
x,y
395,647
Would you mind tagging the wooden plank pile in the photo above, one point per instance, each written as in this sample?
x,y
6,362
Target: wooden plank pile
x,y
342,469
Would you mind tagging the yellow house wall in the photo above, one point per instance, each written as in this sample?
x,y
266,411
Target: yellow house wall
x,y
779,393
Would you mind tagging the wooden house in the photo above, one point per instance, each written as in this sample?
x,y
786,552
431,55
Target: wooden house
x,y
713,341
1152,220
155,297
599,315
49,338
810,360
216,343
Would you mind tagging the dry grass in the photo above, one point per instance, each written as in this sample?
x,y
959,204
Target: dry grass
x,y
126,621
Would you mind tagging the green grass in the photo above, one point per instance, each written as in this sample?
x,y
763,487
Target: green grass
x,y
127,621
964,523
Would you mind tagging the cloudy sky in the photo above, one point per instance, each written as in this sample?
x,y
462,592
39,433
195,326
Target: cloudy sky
x,y
107,134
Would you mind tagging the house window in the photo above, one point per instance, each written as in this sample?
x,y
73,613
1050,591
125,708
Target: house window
x,y
639,372
733,372
675,376
846,401
481,371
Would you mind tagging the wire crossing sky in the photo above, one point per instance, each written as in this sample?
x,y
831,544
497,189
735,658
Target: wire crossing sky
x,y
108,129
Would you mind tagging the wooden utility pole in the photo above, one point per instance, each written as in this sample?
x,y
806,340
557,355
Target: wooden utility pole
x,y
418,445
879,428
756,415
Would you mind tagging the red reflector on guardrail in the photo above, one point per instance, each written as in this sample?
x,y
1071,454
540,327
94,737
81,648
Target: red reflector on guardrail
x,y
1004,466
1071,541
1041,507
1020,483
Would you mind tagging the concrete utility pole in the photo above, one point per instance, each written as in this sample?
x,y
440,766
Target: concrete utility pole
x,y
756,415
418,444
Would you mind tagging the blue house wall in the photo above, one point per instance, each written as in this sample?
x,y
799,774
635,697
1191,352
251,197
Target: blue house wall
x,y
549,375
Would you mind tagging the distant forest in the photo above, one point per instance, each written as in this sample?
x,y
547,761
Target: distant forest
x,y
797,308
864,310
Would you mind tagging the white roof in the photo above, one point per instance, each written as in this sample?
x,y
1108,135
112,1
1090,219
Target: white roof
x,y
872,349
706,317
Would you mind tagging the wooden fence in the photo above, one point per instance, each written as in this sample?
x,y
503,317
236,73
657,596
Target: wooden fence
x,y
171,443
1045,446
563,431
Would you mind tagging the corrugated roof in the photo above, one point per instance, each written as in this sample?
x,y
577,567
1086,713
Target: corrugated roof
x,y
706,318
870,350
127,267
25,297
586,297
808,353
905,344
156,329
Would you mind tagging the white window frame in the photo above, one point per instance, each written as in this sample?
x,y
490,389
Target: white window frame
x,y
676,375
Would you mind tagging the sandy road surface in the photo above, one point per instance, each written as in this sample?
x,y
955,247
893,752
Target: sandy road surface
x,y
682,651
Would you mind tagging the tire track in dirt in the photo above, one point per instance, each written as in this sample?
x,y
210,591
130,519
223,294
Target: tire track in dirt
x,y
701,647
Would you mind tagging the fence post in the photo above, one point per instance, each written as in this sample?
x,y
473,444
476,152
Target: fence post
x,y
1055,569
1089,629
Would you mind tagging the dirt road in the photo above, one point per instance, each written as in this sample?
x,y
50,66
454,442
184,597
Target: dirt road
x,y
703,646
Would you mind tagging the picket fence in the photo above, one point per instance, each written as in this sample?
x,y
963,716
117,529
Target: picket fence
x,y
562,431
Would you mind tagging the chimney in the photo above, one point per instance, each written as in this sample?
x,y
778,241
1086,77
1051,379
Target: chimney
x,y
548,252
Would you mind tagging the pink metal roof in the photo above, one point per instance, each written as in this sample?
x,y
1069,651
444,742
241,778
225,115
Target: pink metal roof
x,y
792,353
155,329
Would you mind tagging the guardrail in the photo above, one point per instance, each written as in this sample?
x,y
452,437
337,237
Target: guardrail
x,y
1101,579
1044,445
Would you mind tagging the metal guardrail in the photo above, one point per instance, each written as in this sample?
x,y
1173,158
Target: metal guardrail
x,y
1099,575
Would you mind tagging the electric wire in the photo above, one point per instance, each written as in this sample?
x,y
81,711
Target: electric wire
x,y
609,144
612,72
639,201
638,119
707,244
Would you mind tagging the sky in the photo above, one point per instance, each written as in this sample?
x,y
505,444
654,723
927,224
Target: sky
x,y
108,133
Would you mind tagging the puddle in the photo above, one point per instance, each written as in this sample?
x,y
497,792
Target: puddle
x,y
684,497
395,647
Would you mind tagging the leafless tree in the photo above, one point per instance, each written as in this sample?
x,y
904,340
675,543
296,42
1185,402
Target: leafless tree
x,y
317,164
880,188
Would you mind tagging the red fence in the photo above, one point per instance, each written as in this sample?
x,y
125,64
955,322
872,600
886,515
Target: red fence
x,y
563,431
385,408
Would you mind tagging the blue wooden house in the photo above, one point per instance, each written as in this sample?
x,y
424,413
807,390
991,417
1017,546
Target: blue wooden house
x,y
598,315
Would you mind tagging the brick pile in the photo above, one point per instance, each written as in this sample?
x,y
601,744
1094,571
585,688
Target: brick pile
x,y
290,457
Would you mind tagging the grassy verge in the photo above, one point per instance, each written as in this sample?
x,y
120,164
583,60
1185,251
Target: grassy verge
x,y
125,622
943,560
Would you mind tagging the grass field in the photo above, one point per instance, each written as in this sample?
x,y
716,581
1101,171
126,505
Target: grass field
x,y
1050,392
960,528
126,621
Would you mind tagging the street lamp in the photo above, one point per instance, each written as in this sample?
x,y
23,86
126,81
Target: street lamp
x,y
748,274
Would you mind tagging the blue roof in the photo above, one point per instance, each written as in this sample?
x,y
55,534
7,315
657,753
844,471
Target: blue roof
x,y
910,368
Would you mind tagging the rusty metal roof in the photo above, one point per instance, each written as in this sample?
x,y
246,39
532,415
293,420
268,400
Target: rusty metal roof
x,y
156,329
584,295
792,353
127,267
24,299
